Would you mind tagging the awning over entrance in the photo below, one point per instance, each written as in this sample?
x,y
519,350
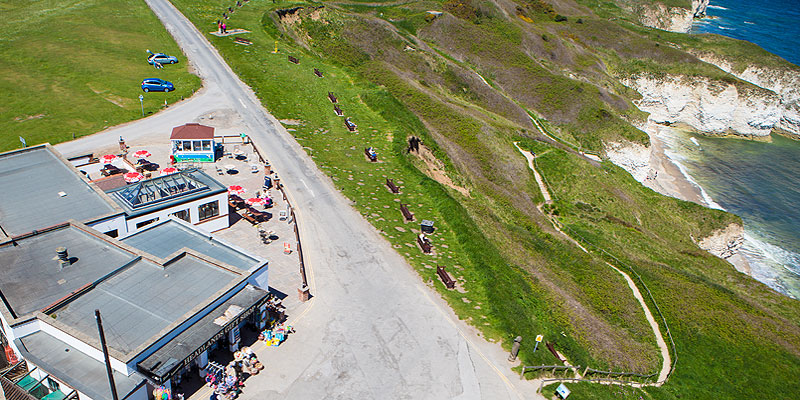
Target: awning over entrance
x,y
190,343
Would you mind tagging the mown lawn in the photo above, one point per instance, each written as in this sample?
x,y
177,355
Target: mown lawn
x,y
75,67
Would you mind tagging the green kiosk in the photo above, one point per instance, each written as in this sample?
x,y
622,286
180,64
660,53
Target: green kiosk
x,y
192,142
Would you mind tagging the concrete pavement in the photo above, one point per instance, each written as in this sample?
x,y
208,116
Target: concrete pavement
x,y
373,329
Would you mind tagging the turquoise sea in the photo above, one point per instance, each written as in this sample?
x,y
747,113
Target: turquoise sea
x,y
758,181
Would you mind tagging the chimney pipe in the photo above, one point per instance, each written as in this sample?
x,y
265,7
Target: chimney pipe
x,y
63,257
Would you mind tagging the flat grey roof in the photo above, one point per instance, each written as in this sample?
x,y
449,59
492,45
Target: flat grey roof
x,y
30,180
166,238
74,368
144,301
160,199
30,278
166,360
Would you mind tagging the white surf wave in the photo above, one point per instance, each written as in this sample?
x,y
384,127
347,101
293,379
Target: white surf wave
x,y
772,265
706,197
726,29
716,7
749,23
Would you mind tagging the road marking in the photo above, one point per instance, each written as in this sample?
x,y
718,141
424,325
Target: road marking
x,y
309,189
243,105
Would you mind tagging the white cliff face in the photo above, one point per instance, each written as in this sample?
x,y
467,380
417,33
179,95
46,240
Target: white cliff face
x,y
709,106
699,8
785,82
675,19
632,157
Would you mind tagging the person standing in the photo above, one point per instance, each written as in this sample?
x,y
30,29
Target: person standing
x,y
224,28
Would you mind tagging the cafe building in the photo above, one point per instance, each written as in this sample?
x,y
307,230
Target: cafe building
x,y
192,142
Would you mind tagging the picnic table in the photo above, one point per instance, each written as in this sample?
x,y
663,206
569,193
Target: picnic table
x,y
109,170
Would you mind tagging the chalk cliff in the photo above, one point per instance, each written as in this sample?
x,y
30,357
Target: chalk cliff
x,y
675,19
785,81
710,106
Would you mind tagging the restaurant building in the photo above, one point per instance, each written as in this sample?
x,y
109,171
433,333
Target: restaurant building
x,y
193,142
168,291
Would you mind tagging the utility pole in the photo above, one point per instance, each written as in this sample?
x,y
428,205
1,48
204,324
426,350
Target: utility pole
x,y
109,371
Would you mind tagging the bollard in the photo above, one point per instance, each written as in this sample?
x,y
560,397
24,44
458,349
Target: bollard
x,y
515,349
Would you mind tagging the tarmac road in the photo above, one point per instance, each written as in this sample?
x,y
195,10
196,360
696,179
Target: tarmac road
x,y
373,329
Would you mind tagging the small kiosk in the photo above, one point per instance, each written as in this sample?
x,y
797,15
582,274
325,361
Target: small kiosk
x,y
192,142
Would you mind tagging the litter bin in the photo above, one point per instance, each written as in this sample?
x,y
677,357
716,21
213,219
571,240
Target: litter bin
x,y
267,182
426,226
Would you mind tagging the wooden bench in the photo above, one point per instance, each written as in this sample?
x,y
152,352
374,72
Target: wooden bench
x,y
445,277
242,40
317,73
236,202
392,186
332,98
258,215
424,243
338,110
294,60
370,154
351,126
406,214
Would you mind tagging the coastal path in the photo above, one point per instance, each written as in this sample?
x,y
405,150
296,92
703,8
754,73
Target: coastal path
x,y
666,360
373,329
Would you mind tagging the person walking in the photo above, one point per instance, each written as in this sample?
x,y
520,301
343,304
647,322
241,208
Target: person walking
x,y
224,28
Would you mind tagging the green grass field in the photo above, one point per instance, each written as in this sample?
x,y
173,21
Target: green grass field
x,y
75,67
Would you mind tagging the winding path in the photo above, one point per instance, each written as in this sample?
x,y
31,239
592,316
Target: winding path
x,y
662,345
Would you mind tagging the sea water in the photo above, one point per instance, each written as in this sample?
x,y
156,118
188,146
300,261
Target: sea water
x,y
757,181
773,25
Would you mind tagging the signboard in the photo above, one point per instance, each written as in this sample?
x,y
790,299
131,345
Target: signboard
x,y
539,338
562,391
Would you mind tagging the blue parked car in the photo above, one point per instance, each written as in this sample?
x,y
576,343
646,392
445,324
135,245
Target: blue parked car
x,y
161,58
157,85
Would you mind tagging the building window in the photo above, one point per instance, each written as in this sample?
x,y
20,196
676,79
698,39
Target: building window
x,y
198,145
208,210
145,223
183,214
113,233
206,145
53,385
187,145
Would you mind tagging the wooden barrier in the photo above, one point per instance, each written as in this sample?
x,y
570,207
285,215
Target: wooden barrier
x,y
338,110
317,73
294,60
332,98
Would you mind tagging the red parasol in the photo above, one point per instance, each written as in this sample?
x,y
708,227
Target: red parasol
x,y
108,158
256,201
132,177
141,154
168,170
236,189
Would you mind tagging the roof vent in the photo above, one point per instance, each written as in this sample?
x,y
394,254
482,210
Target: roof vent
x,y
62,257
62,194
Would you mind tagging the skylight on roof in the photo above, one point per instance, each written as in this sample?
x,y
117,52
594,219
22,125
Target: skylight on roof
x,y
152,191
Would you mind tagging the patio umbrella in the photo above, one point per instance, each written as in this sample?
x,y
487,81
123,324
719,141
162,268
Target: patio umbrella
x,y
141,154
256,201
236,189
168,170
108,158
132,177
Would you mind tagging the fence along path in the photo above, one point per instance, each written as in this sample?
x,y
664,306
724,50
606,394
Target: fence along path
x,y
667,364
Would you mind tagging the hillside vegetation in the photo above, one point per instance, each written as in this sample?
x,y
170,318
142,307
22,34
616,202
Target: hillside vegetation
x,y
469,83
